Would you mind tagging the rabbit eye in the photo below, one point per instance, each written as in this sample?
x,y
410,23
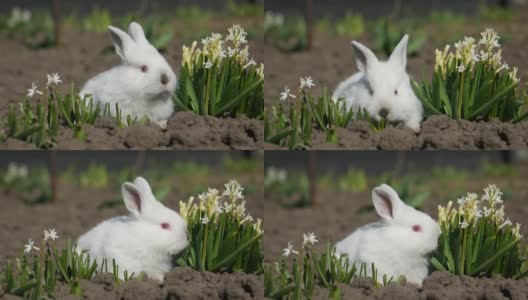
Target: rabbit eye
x,y
417,228
165,226
396,92
144,68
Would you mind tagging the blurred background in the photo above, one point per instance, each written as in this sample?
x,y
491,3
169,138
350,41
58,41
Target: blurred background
x,y
329,192
122,7
380,8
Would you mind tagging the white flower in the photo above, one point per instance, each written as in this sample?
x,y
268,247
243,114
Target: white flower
x,y
284,95
309,238
478,214
503,67
30,246
461,68
33,90
507,222
205,220
289,250
464,224
50,234
307,82
53,78
208,64
250,63
461,201
487,211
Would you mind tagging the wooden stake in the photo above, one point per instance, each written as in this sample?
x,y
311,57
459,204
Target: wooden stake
x,y
308,18
56,15
312,177
52,172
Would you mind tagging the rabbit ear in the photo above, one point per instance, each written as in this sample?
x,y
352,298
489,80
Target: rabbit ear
x,y
137,196
143,186
132,198
136,32
386,201
399,55
122,41
364,56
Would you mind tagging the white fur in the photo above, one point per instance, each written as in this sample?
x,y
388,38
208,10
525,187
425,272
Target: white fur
x,y
137,93
137,242
392,245
373,87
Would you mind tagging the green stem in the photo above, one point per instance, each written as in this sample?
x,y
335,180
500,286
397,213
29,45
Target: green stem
x,y
463,254
208,87
204,248
460,95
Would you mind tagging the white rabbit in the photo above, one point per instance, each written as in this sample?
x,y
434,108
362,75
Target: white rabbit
x,y
382,87
398,245
142,85
142,242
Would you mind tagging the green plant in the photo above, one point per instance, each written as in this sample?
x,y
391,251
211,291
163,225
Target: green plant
x,y
449,173
477,239
495,13
354,180
246,165
220,79
35,29
223,238
286,34
503,170
39,123
472,85
388,34
33,185
192,13
297,279
293,127
37,276
95,176
351,25
97,20
447,17
292,189
238,9
190,167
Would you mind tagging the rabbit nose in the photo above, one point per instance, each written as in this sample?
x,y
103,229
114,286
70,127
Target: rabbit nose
x,y
164,79
383,112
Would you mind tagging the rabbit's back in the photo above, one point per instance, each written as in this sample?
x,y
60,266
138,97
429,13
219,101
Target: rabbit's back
x,y
355,91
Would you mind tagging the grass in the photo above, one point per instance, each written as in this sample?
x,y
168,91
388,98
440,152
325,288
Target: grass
x,y
37,276
478,240
292,127
33,185
388,34
220,79
38,122
297,274
223,237
290,189
473,83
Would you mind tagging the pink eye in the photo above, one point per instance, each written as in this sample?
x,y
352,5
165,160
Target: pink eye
x,y
144,68
165,226
417,228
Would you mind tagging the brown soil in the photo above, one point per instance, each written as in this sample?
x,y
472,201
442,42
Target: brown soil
x,y
340,213
437,132
332,60
78,210
81,57
185,130
439,285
